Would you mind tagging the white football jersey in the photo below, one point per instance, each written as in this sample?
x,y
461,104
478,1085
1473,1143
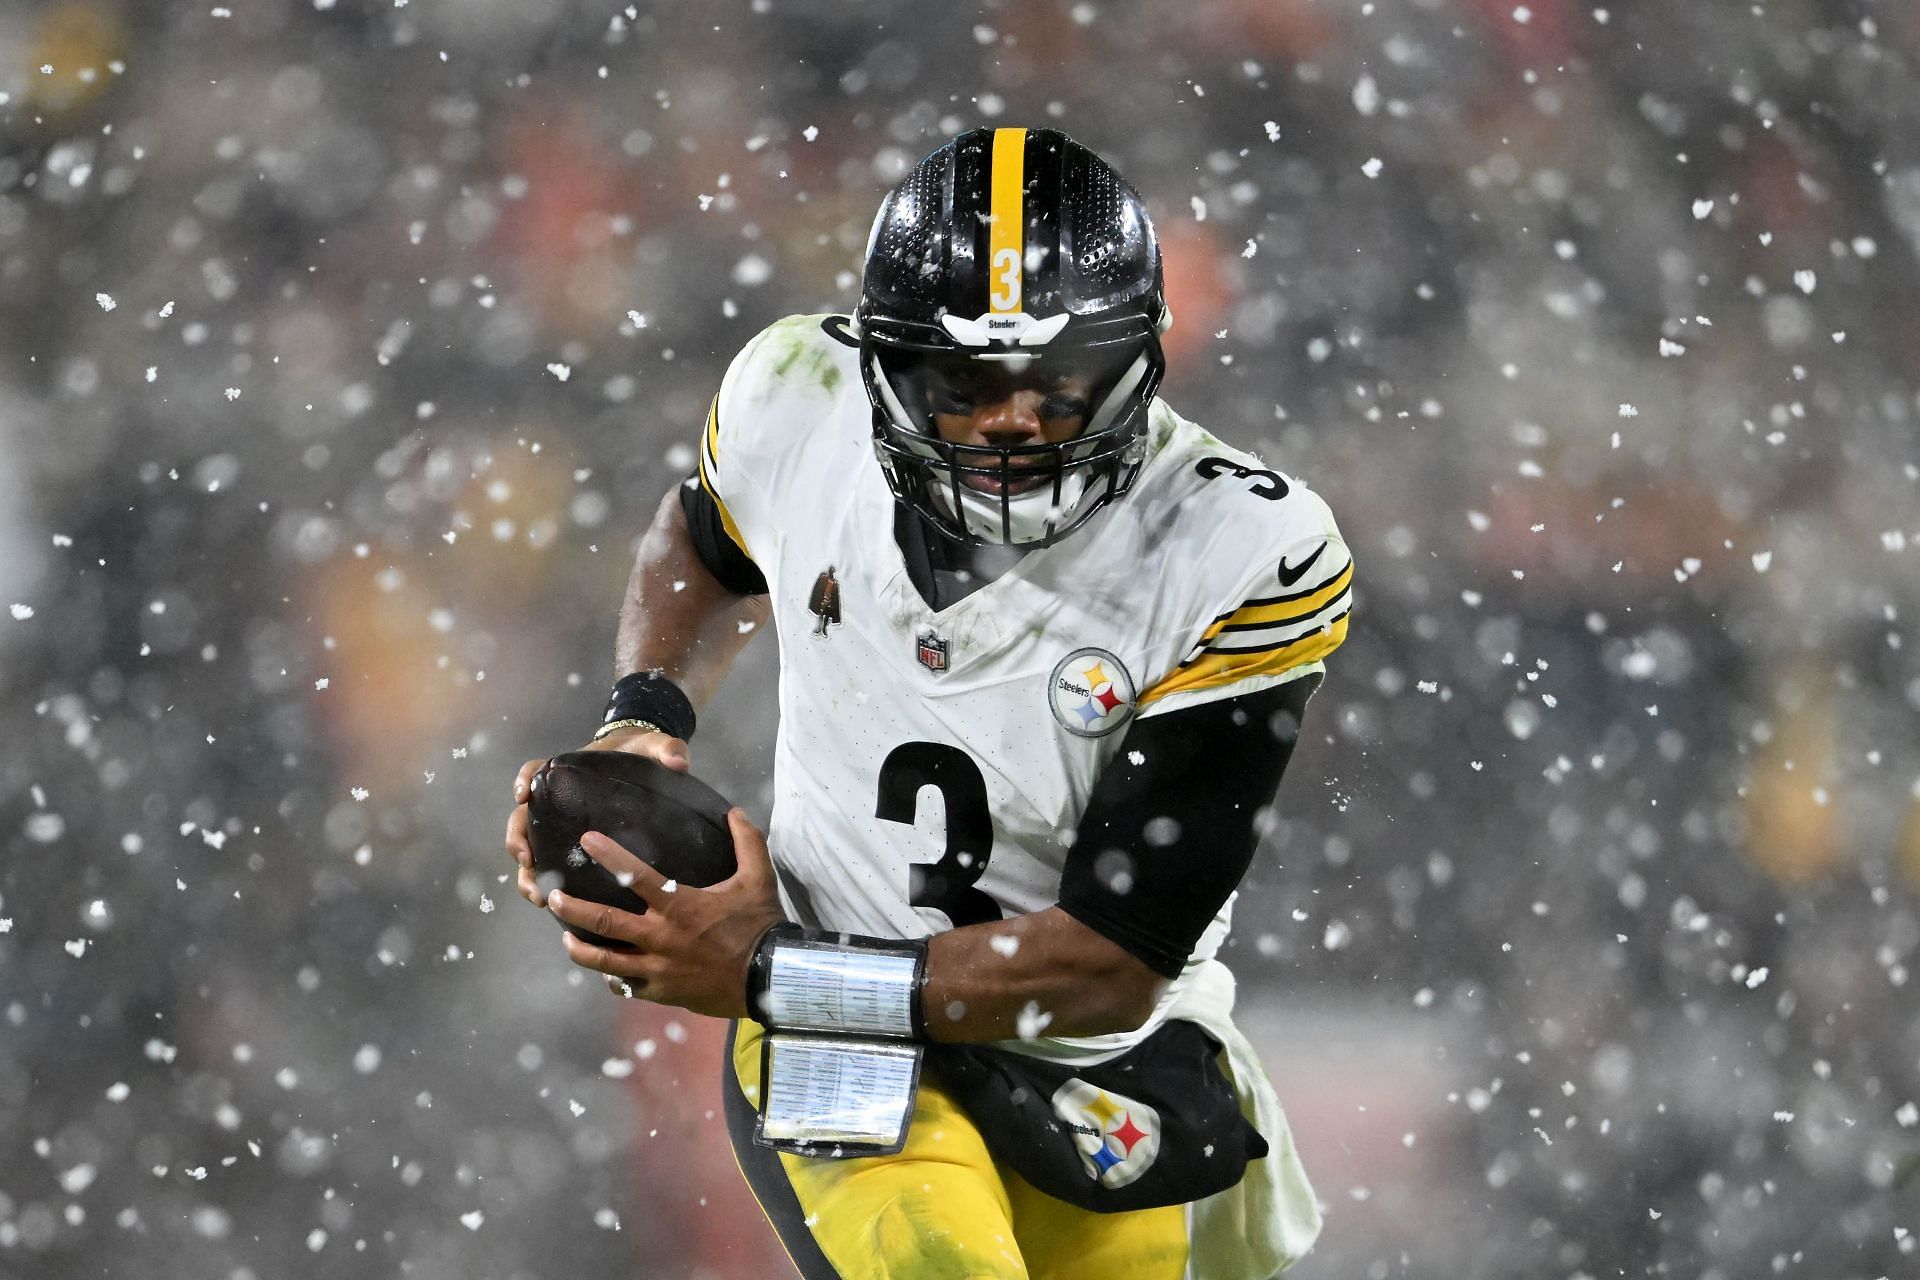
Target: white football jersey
x,y
968,740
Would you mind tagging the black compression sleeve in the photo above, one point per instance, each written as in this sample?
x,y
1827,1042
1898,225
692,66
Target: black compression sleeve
x,y
1168,831
723,557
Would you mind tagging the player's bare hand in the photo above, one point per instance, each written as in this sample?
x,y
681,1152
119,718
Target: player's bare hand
x,y
652,743
517,847
692,946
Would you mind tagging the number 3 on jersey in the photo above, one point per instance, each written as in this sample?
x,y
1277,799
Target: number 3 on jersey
x,y
949,884
1270,485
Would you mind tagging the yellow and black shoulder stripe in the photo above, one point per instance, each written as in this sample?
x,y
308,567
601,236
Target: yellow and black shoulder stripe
x,y
1268,636
709,467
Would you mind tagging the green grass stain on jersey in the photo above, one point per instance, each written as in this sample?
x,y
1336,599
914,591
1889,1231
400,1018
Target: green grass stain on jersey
x,y
1163,429
797,348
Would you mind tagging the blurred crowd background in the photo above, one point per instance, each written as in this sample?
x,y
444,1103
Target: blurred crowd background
x,y
346,346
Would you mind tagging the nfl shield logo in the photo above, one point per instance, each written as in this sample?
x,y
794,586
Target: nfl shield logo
x,y
933,651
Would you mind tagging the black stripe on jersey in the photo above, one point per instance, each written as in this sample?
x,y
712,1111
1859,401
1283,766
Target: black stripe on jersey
x,y
1343,593
730,566
767,1177
1301,594
1269,648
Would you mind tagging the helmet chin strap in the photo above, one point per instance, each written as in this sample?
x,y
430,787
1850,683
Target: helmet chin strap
x,y
1117,399
890,402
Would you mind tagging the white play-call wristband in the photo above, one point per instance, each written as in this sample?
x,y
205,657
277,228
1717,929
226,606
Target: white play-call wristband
x,y
812,980
836,1095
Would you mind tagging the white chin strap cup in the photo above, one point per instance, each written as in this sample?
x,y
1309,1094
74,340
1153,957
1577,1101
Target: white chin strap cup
x,y
1030,516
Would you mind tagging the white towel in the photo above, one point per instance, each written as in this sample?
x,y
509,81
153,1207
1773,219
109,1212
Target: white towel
x,y
1268,1220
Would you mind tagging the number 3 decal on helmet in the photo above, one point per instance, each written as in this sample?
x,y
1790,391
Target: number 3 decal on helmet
x,y
1006,279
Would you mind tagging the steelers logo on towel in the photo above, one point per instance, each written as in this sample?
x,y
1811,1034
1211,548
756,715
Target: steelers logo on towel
x,y
1118,1137
1091,693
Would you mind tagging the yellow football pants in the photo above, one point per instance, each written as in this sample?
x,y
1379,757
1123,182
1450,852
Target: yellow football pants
x,y
940,1209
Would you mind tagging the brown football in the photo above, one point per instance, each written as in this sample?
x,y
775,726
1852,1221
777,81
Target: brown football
x,y
672,821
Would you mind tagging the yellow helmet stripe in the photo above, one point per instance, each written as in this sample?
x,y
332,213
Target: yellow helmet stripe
x,y
1007,221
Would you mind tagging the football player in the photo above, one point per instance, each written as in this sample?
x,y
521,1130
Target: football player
x,y
1006,575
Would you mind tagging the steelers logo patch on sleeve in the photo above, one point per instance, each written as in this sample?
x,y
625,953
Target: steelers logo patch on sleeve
x,y
1091,693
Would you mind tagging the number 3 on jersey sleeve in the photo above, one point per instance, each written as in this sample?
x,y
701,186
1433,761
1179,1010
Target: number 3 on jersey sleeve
x,y
1270,485
949,884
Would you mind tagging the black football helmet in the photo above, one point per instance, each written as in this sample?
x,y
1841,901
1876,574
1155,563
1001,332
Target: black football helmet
x,y
1011,257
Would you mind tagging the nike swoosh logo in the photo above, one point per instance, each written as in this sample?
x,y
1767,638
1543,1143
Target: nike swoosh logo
x,y
1292,574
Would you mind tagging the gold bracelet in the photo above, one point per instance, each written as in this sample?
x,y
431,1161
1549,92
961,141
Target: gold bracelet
x,y
614,726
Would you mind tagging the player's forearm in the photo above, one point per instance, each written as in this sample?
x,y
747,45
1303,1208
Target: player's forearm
x,y
676,616
1039,974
